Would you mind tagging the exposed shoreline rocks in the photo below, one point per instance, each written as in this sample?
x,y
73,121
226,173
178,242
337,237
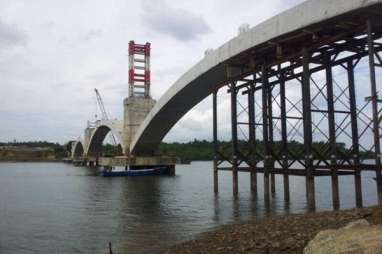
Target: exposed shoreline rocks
x,y
357,237
274,234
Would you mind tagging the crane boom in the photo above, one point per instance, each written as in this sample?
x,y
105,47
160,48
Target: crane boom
x,y
104,114
101,105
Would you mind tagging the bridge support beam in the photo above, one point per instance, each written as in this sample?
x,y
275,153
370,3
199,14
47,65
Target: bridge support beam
x,y
266,144
374,101
354,126
252,138
215,139
270,136
307,121
284,138
332,133
234,138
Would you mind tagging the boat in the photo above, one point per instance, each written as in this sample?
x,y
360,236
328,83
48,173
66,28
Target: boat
x,y
135,172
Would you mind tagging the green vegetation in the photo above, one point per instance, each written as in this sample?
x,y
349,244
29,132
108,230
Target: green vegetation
x,y
203,150
198,149
109,150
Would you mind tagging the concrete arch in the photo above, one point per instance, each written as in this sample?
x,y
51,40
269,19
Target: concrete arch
x,y
78,149
68,147
99,134
210,73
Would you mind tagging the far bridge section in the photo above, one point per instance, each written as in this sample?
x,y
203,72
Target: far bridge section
x,y
88,151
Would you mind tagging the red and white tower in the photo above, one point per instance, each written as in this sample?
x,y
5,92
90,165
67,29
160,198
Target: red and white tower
x,y
139,70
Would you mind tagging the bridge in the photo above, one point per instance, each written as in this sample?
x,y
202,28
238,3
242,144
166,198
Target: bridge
x,y
281,77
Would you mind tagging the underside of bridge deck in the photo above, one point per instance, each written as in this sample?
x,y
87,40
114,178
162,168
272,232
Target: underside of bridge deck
x,y
306,104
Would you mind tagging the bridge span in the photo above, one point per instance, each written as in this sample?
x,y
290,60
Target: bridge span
x,y
285,69
279,39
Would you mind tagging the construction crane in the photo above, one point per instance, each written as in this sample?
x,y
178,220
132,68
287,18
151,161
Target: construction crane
x,y
101,105
103,112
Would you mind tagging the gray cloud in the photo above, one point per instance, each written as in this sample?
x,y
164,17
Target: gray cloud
x,y
93,34
11,36
177,23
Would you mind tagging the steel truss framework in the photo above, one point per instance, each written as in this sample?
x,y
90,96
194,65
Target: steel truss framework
x,y
318,115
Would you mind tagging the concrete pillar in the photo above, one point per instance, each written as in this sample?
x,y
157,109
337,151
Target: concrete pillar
x,y
87,135
135,111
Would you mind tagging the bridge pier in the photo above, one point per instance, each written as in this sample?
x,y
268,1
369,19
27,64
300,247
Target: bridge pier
x,y
135,111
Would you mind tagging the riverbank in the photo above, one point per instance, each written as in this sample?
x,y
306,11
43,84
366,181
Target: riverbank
x,y
276,234
29,160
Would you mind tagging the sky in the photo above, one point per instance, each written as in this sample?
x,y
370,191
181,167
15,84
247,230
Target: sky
x,y
54,53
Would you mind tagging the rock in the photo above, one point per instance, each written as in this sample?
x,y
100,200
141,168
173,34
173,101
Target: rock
x,y
377,215
357,223
275,245
357,237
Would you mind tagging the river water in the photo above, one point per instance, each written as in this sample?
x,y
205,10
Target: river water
x,y
59,208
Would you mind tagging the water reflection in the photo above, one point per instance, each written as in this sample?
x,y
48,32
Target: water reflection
x,y
57,208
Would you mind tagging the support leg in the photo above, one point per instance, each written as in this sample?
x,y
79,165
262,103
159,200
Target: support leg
x,y
234,138
252,138
215,137
270,137
273,184
374,96
355,141
265,133
284,140
332,135
307,118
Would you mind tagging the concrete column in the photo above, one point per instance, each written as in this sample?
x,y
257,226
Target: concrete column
x,y
135,111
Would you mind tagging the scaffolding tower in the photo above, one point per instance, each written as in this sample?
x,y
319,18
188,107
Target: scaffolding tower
x,y
139,70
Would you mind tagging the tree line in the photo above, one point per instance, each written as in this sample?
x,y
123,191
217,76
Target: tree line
x,y
204,150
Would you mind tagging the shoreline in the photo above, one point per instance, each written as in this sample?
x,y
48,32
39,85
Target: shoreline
x,y
273,234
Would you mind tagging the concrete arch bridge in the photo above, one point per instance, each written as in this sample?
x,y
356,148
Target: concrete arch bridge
x,y
276,68
91,144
